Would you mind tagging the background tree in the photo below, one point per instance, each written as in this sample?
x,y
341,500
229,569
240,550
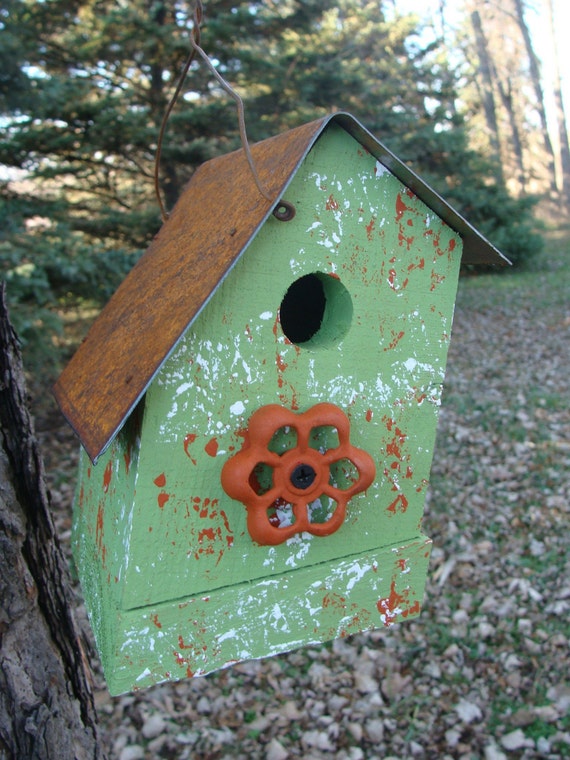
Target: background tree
x,y
495,47
560,114
535,81
506,95
486,89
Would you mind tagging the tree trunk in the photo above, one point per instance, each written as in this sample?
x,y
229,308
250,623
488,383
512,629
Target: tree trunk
x,y
158,101
560,113
506,92
538,92
46,701
488,96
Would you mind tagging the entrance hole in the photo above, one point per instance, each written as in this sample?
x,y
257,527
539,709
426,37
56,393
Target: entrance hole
x,y
316,311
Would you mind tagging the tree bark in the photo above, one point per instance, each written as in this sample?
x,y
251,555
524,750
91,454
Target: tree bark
x,y
538,92
488,96
505,88
46,700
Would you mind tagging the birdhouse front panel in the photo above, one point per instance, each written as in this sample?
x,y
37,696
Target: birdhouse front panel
x,y
345,309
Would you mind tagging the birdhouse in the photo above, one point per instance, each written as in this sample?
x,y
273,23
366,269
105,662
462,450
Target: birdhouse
x,y
257,406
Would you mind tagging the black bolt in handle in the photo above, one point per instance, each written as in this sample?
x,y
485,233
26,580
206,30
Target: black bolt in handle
x,y
303,476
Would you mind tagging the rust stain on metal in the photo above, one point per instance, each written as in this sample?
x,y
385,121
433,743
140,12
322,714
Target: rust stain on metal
x,y
210,226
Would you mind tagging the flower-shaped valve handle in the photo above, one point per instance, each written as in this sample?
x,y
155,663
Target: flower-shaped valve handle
x,y
298,477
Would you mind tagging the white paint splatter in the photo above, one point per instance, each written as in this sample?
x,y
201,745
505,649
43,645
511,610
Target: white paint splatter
x,y
266,315
284,515
237,408
303,542
247,371
383,390
227,635
380,169
276,613
269,561
355,572
327,242
320,179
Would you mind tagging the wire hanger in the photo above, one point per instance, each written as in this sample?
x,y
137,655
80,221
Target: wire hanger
x,y
195,39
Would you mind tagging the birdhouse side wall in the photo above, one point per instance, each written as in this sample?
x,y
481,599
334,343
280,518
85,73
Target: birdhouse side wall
x,y
102,520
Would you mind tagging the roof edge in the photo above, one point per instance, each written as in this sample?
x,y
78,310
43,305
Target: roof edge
x,y
476,248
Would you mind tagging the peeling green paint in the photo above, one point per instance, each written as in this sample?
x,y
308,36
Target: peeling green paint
x,y
155,534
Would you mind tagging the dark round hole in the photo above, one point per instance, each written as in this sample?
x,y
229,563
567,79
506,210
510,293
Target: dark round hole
x,y
303,308
316,311
303,476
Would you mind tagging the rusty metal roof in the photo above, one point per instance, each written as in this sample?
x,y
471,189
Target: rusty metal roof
x,y
216,217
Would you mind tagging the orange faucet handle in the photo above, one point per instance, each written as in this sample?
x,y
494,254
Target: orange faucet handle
x,y
296,472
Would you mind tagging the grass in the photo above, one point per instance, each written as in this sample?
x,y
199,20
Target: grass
x,y
542,282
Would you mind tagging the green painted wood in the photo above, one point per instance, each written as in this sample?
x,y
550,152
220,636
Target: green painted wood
x,y
193,636
153,525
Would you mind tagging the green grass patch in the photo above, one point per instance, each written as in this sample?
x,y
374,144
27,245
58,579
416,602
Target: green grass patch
x,y
542,282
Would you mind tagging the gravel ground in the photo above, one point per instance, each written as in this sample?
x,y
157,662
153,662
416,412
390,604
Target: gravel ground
x,y
484,672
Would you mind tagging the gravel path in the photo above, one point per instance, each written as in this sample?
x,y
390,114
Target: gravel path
x,y
484,672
